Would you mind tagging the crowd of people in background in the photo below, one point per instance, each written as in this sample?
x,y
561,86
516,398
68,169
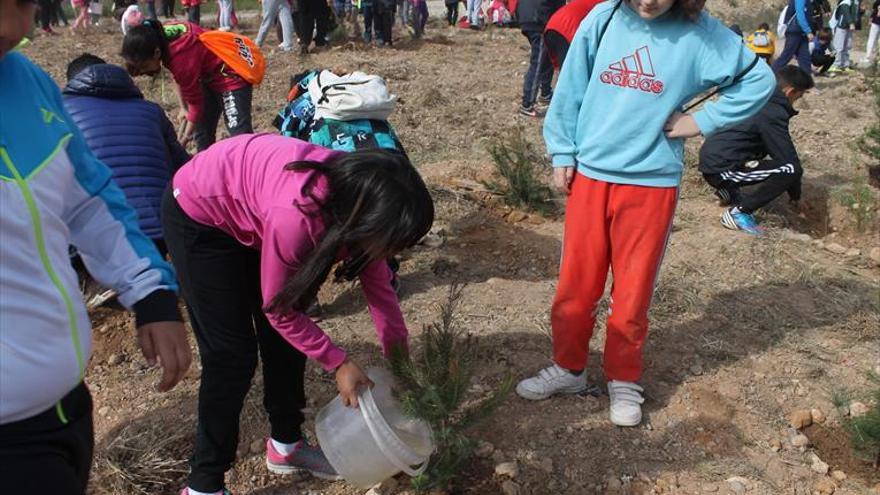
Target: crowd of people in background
x,y
255,224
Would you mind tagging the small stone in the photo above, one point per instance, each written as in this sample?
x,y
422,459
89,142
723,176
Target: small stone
x,y
710,488
835,248
817,415
104,411
613,484
825,486
484,449
508,469
838,475
776,445
875,254
796,236
510,488
801,419
114,359
696,370
384,488
733,481
853,252
257,446
818,465
857,409
374,491
517,216
547,465
432,240
736,487
800,441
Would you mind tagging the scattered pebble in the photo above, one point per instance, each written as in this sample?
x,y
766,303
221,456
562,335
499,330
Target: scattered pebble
x,y
853,252
857,409
737,487
484,449
508,469
838,475
733,481
818,465
257,446
114,359
796,236
817,415
104,411
825,486
613,484
800,419
547,465
775,445
710,488
835,248
508,487
800,441
875,255
696,370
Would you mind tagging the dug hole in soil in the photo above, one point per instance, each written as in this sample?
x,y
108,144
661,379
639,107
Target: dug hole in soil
x,y
744,330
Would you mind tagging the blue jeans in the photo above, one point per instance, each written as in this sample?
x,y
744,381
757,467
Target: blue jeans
x,y
796,45
540,72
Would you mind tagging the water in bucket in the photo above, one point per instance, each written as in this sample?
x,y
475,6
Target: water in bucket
x,y
374,442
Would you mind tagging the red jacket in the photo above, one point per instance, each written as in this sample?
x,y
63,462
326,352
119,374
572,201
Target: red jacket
x,y
193,64
567,19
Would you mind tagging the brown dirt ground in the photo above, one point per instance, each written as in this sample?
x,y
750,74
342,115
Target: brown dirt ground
x,y
744,330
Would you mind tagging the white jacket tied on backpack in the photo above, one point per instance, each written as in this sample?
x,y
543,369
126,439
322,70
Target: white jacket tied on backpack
x,y
351,97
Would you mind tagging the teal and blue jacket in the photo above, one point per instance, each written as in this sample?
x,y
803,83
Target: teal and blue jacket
x,y
54,193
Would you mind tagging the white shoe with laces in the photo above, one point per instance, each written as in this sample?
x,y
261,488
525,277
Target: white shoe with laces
x,y
626,403
551,381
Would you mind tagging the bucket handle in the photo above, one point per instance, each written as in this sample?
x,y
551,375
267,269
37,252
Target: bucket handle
x,y
369,408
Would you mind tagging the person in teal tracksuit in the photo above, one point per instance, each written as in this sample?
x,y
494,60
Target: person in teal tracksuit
x,y
54,193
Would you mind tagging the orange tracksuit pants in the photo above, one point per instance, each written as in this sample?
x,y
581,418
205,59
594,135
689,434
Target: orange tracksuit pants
x,y
623,227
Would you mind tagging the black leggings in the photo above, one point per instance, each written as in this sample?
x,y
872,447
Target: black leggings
x,y
43,454
452,13
220,281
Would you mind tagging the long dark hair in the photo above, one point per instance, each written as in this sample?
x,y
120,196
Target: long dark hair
x,y
377,205
141,42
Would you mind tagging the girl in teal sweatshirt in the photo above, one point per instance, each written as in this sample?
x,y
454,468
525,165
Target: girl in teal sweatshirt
x,y
616,134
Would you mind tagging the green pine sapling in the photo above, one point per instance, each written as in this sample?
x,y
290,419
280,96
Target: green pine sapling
x,y
432,384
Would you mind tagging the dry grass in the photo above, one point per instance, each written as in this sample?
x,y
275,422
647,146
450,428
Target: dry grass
x,y
145,457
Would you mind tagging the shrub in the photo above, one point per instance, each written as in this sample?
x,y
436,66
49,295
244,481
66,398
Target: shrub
x,y
520,168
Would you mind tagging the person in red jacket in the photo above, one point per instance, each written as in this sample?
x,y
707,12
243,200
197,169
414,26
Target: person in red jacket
x,y
562,26
207,87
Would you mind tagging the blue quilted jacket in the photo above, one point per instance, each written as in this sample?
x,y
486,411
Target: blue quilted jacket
x,y
131,135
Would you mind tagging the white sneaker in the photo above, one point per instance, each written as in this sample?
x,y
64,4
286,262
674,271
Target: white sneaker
x,y
551,381
626,403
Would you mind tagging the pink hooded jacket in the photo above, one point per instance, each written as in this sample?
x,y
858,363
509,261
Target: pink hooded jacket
x,y
241,187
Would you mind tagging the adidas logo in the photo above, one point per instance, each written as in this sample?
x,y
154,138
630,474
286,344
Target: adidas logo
x,y
635,71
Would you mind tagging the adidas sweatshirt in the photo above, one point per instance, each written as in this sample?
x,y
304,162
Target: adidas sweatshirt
x,y
612,99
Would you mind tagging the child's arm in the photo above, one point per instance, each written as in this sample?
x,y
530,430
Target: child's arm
x,y
560,124
104,229
286,243
176,153
800,8
384,305
722,60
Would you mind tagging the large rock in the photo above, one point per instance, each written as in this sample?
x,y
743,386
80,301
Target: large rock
x,y
818,465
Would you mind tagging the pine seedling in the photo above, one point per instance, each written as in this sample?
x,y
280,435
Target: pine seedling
x,y
864,431
520,169
432,384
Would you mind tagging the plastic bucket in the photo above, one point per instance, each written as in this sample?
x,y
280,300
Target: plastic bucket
x,y
374,442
